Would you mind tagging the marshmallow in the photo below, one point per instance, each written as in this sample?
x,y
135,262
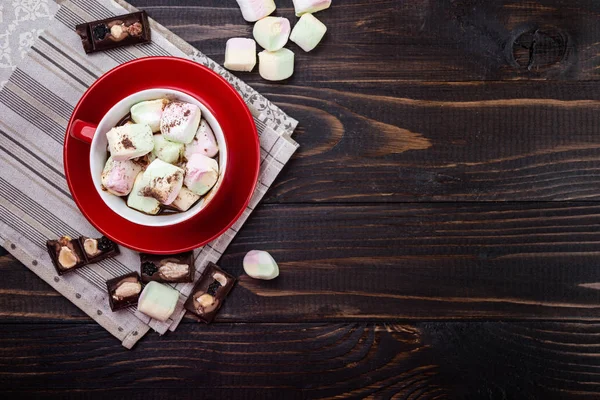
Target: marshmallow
x,y
158,301
308,32
259,264
204,142
185,199
118,176
310,6
163,181
129,141
276,65
147,205
149,113
253,10
166,150
179,121
272,32
201,173
240,54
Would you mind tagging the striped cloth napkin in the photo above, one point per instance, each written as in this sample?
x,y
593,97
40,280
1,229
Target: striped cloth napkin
x,y
35,105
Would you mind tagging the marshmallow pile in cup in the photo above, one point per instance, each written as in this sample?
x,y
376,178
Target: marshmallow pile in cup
x,y
276,63
161,157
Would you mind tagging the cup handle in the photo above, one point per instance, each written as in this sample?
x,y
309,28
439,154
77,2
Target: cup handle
x,y
83,131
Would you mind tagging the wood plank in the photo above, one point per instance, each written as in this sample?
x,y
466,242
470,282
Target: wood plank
x,y
397,261
495,141
423,361
415,40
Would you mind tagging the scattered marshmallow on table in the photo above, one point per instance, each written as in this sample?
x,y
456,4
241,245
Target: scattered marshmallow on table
x,y
240,54
166,150
118,176
253,10
204,142
185,199
308,32
158,301
310,6
129,141
179,121
201,173
259,264
163,181
272,32
135,200
149,113
276,65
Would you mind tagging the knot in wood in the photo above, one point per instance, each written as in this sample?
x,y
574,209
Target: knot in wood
x,y
538,49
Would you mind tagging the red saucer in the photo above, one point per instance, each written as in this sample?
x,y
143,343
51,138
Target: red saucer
x,y
241,138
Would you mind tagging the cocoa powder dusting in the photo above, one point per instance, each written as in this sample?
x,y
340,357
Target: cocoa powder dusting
x,y
127,143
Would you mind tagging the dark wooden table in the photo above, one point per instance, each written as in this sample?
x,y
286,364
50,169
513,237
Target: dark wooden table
x,y
437,232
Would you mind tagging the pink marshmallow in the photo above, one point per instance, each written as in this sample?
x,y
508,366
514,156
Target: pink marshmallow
x,y
118,176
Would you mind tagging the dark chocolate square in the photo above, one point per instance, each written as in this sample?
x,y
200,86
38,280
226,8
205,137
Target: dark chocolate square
x,y
97,35
153,267
117,303
106,247
211,288
54,247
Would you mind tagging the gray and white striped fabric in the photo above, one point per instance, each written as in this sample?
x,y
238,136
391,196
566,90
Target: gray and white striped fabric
x,y
35,203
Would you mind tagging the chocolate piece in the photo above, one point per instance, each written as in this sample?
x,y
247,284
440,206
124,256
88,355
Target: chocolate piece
x,y
209,293
96,250
123,30
167,268
66,254
124,291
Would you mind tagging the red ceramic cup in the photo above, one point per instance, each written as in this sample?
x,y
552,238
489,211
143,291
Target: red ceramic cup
x,y
84,151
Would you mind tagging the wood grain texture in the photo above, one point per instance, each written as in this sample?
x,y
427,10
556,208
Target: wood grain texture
x,y
494,360
389,262
442,142
389,40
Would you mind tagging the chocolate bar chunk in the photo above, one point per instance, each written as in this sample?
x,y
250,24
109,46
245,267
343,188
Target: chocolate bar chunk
x,y
66,254
167,268
209,293
98,249
119,31
124,291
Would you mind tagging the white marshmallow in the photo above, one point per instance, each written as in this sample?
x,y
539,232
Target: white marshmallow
x,y
148,205
166,150
276,65
149,113
129,141
240,54
158,301
201,173
163,181
179,121
310,6
272,32
118,176
204,142
308,32
253,10
259,264
185,199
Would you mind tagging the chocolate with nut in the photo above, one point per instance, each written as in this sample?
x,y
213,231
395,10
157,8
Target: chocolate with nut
x,y
122,30
167,268
209,293
66,254
96,250
124,291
